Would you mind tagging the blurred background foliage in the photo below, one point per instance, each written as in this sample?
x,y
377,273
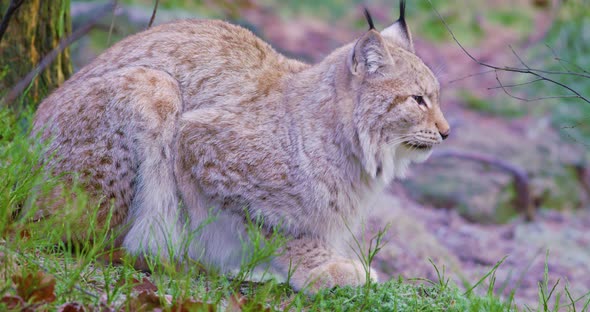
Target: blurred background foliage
x,y
567,49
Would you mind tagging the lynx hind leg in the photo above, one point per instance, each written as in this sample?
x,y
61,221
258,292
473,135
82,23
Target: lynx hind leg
x,y
312,265
153,219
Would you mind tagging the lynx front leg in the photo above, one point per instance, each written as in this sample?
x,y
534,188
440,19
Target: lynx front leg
x,y
312,265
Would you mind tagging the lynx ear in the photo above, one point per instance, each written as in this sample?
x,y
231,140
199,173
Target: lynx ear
x,y
399,32
368,55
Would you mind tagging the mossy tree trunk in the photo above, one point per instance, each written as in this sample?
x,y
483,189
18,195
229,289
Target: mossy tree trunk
x,y
34,30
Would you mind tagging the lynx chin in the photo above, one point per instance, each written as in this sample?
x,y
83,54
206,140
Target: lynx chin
x,y
184,132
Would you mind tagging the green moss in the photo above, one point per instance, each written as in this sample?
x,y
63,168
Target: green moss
x,y
398,295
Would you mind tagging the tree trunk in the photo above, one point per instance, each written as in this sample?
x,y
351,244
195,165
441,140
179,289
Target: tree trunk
x,y
34,30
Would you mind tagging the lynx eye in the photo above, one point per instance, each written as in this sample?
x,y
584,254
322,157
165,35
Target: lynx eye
x,y
419,99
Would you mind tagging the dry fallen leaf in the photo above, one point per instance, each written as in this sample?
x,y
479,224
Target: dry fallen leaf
x,y
35,287
146,300
145,284
189,305
237,303
13,302
71,307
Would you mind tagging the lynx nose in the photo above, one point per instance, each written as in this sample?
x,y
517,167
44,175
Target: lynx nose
x,y
445,134
444,129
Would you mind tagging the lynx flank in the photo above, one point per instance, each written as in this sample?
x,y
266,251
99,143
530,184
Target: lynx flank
x,y
201,118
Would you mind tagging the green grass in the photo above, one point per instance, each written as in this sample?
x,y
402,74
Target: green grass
x,y
39,269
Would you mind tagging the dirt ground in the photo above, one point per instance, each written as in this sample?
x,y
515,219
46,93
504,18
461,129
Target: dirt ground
x,y
469,250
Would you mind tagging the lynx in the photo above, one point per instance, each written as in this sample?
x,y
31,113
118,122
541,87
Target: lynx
x,y
201,118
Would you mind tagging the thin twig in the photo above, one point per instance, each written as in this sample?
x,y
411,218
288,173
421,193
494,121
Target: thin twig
x,y
12,7
48,59
571,63
560,60
516,84
503,87
531,71
571,127
543,71
566,133
555,57
472,75
518,57
524,201
153,14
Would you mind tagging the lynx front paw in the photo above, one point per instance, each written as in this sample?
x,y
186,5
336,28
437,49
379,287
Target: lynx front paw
x,y
338,273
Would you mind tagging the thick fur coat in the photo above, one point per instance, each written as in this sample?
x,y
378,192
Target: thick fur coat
x,y
200,121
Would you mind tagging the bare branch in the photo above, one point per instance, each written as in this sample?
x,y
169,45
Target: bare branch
x,y
14,5
153,14
48,59
555,57
560,60
571,63
531,71
473,75
524,201
516,84
565,132
542,71
503,87
518,57
570,127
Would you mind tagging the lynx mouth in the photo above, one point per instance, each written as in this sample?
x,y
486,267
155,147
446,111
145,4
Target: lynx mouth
x,y
418,146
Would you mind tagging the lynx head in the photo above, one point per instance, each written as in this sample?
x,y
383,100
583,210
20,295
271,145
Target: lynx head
x,y
396,107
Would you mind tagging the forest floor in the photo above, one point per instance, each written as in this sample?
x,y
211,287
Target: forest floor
x,y
469,250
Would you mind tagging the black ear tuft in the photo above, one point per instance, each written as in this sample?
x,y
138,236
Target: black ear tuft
x,y
402,10
399,32
402,14
369,19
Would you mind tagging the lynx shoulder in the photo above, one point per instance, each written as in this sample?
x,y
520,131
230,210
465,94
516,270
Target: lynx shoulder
x,y
197,118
